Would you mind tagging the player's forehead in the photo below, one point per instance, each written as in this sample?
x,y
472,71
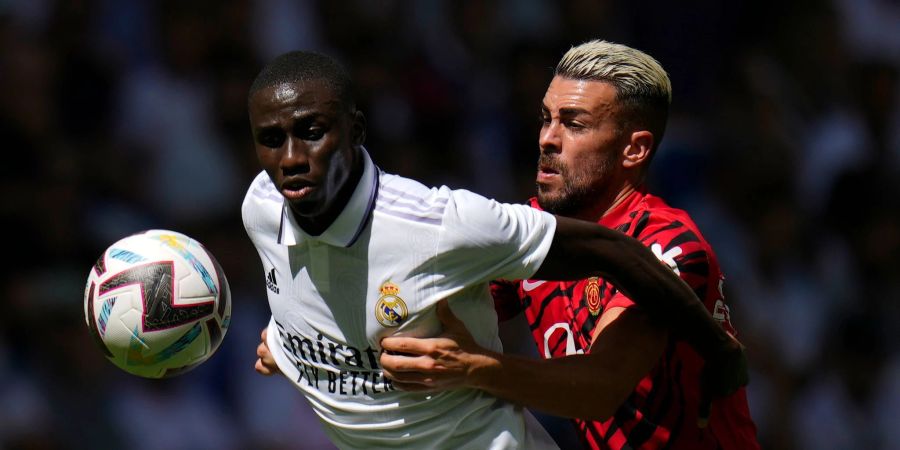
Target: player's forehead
x,y
568,93
294,98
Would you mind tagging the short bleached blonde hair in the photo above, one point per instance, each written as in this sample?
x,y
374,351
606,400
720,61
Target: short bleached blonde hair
x,y
642,86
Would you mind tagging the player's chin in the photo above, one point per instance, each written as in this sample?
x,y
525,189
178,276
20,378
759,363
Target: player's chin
x,y
306,206
548,194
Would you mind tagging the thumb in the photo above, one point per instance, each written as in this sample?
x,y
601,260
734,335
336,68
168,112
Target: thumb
x,y
447,318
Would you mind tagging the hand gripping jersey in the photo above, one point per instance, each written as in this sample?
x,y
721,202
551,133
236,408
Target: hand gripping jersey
x,y
661,413
378,270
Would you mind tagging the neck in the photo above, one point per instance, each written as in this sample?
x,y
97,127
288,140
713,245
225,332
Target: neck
x,y
624,193
317,224
609,202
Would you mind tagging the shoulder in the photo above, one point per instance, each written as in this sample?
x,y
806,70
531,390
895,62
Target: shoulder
x,y
410,200
450,209
652,220
670,233
262,206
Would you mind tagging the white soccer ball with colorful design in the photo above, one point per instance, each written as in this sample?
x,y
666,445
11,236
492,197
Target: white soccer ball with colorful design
x,y
157,303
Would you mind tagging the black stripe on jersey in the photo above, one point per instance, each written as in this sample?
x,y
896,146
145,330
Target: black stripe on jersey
x,y
699,254
559,342
672,226
698,268
592,429
611,430
640,224
589,323
685,236
526,302
695,262
558,291
642,430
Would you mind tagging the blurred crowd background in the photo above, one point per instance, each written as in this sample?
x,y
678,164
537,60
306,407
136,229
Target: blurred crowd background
x,y
118,116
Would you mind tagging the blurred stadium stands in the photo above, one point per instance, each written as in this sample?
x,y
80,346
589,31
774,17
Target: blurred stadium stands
x,y
784,143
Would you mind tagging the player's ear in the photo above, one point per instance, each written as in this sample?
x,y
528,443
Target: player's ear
x,y
358,128
638,149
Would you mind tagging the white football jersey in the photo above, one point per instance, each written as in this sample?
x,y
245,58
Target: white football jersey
x,y
379,270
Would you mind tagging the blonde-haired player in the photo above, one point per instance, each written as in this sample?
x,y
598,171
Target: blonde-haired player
x,y
628,382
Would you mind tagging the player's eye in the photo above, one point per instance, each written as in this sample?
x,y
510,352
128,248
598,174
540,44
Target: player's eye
x,y
574,125
313,134
311,128
271,138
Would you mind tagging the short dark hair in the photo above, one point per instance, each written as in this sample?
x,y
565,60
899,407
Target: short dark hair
x,y
299,66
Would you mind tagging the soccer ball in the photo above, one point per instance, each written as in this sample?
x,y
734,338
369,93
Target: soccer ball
x,y
157,303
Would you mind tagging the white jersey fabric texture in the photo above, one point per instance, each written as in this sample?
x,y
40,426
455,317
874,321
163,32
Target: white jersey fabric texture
x,y
379,270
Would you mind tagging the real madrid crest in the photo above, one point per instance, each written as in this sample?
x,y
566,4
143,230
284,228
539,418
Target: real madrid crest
x,y
390,309
592,295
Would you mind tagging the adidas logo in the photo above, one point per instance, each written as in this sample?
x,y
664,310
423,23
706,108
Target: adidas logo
x,y
270,281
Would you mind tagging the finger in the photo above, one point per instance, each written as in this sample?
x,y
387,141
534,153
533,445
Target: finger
x,y
446,316
406,345
400,363
265,332
262,351
262,369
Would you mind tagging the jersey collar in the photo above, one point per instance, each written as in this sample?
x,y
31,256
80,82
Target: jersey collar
x,y
617,215
349,223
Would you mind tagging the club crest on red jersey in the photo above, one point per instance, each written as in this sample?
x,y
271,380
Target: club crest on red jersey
x,y
592,295
390,309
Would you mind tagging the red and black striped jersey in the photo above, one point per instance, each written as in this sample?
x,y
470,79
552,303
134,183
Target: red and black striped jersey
x,y
661,413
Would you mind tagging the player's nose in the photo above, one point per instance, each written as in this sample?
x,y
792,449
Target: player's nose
x,y
549,138
295,157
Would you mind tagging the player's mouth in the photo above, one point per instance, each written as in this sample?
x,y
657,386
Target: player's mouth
x,y
546,173
296,189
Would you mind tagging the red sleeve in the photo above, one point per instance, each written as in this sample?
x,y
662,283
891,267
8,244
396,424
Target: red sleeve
x,y
506,299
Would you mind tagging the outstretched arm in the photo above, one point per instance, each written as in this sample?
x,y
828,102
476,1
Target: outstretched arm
x,y
582,249
589,386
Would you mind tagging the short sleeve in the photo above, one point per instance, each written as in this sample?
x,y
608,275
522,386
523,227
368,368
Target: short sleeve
x,y
483,240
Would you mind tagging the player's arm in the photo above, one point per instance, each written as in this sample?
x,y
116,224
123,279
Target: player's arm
x,y
590,386
581,249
